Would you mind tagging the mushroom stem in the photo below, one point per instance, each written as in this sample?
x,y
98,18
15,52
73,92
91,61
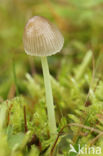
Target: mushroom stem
x,y
49,97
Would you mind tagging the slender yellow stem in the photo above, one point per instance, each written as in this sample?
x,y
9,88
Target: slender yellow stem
x,y
49,97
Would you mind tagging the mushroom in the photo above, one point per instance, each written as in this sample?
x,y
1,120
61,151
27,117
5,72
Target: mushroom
x,y
42,38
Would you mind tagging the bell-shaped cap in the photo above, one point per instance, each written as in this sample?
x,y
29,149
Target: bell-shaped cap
x,y
42,38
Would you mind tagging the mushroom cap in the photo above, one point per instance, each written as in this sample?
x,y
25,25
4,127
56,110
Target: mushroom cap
x,y
41,37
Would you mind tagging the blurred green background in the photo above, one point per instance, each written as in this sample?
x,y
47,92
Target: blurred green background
x,y
81,23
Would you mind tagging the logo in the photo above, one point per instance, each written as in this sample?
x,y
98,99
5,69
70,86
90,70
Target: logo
x,y
85,150
72,149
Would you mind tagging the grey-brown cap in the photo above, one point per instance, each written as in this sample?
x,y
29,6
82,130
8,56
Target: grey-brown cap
x,y
41,37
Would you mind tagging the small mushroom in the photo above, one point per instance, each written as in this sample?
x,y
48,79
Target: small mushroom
x,y
42,38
